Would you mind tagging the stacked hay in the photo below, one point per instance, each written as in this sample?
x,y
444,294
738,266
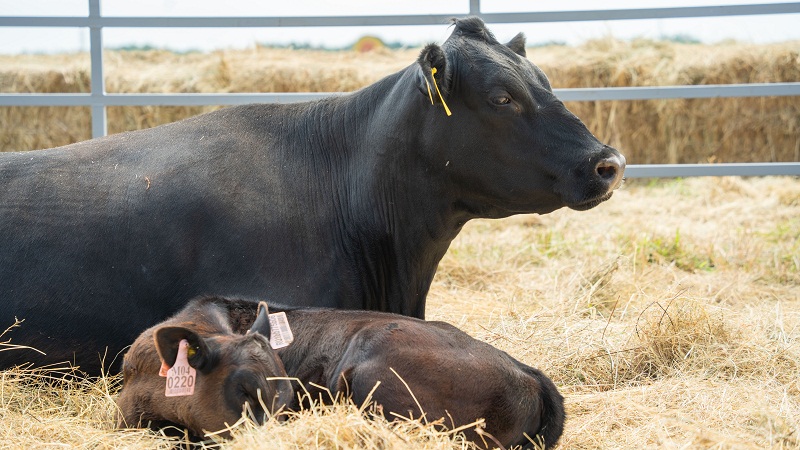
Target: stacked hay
x,y
657,131
258,70
685,130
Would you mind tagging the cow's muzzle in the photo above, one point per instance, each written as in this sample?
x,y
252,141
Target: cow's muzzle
x,y
610,170
605,175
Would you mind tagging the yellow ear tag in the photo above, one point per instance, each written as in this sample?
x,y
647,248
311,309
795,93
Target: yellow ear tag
x,y
429,89
191,351
433,72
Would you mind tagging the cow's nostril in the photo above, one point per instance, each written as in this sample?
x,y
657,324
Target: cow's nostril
x,y
607,169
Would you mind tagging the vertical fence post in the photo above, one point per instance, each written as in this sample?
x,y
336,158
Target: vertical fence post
x,y
474,7
98,84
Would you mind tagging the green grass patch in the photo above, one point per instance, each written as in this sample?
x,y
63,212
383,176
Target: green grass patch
x,y
672,250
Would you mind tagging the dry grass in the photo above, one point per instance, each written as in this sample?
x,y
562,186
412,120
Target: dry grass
x,y
657,131
669,317
50,408
346,427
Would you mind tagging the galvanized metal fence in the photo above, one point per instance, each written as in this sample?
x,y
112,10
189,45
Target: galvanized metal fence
x,y
98,99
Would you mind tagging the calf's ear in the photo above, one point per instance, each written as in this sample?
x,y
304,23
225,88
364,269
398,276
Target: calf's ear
x,y
200,355
433,74
517,45
261,324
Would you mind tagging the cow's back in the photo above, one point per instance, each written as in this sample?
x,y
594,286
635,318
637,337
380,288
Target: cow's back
x,y
125,229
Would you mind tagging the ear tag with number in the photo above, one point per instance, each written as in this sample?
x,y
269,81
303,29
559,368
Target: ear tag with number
x,y
181,376
280,333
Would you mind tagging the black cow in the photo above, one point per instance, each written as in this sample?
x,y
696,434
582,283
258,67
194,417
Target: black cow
x,y
346,202
408,367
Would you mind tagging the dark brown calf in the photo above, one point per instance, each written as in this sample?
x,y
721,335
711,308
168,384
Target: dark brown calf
x,y
225,371
452,376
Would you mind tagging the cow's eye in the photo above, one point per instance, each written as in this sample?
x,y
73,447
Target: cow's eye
x,y
501,100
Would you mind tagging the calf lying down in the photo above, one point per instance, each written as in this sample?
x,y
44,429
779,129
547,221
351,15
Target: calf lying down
x,y
195,370
451,375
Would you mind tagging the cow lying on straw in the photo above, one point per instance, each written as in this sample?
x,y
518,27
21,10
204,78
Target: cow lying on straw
x,y
406,366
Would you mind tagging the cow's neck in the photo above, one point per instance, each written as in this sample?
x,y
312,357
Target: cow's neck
x,y
399,210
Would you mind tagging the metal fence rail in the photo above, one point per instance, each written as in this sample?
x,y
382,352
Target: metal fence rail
x,y
96,20
98,99
567,95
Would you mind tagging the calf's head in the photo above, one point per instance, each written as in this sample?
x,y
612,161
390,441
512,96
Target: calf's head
x,y
229,374
510,145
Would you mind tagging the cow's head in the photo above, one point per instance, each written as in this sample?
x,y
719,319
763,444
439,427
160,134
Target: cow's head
x,y
510,144
232,375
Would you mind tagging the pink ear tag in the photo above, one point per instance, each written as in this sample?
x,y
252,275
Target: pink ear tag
x,y
181,377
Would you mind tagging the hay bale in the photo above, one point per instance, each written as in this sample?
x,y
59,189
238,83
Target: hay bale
x,y
647,132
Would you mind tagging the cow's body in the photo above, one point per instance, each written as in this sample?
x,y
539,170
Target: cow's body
x,y
348,202
453,377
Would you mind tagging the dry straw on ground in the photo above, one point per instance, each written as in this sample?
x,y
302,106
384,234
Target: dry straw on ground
x,y
656,131
669,317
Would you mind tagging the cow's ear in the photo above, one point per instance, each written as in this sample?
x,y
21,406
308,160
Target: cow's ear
x,y
433,81
261,324
200,354
517,45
